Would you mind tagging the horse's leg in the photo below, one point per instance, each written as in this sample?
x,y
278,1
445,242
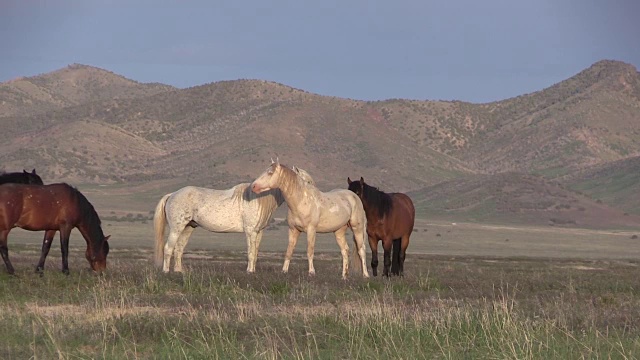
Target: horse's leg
x,y
65,232
386,244
344,250
403,251
257,247
358,237
395,257
4,250
172,240
183,239
250,244
293,239
311,246
46,246
373,244
253,245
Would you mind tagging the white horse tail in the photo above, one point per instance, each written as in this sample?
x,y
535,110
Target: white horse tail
x,y
159,224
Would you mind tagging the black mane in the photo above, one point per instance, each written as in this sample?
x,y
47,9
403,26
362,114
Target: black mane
x,y
377,199
89,215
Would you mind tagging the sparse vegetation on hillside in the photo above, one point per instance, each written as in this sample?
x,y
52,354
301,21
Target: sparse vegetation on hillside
x,y
518,198
84,124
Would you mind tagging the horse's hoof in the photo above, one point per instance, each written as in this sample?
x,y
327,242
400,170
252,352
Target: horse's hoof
x,y
312,273
66,272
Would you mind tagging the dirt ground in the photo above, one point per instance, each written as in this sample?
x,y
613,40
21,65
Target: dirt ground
x,y
428,238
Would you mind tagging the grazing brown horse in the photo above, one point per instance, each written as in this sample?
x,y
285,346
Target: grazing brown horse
x,y
390,218
32,178
52,207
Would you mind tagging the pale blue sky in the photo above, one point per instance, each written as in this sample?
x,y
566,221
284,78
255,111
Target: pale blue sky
x,y
471,50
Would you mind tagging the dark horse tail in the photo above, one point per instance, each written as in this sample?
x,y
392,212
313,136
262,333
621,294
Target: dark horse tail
x,y
395,256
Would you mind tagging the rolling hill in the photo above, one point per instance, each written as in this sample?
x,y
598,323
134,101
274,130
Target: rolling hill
x,y
87,125
518,198
73,85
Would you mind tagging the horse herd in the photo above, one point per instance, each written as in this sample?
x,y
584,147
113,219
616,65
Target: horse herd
x,y
27,203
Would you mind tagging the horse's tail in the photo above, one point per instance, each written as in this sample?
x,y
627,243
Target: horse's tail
x,y
159,223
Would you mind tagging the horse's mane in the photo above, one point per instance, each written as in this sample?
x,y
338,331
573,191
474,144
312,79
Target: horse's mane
x,y
267,201
294,181
377,199
304,175
88,212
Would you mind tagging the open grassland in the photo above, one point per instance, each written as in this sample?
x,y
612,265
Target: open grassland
x,y
470,291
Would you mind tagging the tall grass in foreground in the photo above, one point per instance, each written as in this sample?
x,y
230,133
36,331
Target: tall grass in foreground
x,y
469,309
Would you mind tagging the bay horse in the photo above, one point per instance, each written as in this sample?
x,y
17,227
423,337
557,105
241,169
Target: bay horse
x,y
313,211
31,178
390,218
233,210
55,207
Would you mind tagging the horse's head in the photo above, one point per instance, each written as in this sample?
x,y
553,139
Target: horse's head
x,y
269,179
303,175
357,186
98,257
32,177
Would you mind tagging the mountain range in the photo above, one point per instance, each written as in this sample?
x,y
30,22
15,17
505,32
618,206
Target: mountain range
x,y
565,155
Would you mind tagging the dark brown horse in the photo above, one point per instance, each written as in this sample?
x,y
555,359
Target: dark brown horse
x,y
390,218
32,178
55,207
23,177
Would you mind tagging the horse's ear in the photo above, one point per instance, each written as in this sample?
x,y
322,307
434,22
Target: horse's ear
x,y
33,171
107,237
349,180
24,171
361,180
273,162
294,168
277,160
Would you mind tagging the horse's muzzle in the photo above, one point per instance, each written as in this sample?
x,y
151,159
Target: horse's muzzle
x,y
99,266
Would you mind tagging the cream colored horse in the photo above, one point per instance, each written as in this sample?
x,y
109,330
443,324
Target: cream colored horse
x,y
233,210
313,211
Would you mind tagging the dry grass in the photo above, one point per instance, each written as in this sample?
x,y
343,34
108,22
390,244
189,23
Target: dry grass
x,y
462,307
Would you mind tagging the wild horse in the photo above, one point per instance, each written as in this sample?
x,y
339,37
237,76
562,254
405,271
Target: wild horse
x,y
390,218
32,178
233,210
23,177
313,211
55,207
